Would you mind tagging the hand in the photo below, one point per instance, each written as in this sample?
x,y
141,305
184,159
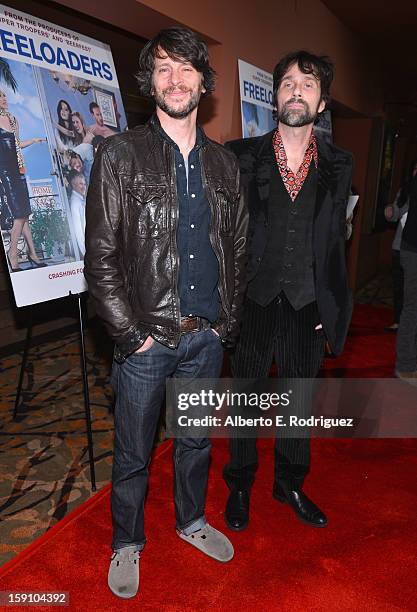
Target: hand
x,y
388,212
146,345
229,343
37,140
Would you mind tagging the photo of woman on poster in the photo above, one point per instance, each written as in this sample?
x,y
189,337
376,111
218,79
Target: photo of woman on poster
x,y
83,139
13,187
65,133
81,132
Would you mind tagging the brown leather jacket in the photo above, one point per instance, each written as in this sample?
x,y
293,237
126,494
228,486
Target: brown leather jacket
x,y
131,261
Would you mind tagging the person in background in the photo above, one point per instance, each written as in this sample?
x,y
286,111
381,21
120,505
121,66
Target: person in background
x,y
406,360
14,189
397,212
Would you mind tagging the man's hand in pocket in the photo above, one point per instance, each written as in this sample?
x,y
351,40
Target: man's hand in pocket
x,y
146,345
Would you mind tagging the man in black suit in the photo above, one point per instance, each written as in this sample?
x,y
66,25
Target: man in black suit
x,y
298,296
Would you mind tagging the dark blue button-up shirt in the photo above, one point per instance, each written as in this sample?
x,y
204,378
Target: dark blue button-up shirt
x,y
199,269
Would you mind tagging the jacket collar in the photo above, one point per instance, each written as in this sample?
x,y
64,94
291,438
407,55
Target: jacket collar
x,y
265,161
156,127
264,155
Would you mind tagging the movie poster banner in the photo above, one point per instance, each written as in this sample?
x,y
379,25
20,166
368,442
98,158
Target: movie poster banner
x,y
59,98
256,99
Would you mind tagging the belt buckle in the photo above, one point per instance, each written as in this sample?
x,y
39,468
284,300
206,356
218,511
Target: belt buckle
x,y
188,328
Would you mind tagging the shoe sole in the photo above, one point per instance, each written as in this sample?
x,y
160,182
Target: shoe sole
x,y
282,500
122,596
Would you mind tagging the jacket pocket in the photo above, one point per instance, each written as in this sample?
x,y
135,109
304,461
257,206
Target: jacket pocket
x,y
148,210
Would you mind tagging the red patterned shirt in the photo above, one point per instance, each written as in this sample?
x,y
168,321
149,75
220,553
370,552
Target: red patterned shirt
x,y
294,182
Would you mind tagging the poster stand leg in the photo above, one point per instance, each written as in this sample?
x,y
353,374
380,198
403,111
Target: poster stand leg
x,y
24,360
85,382
86,393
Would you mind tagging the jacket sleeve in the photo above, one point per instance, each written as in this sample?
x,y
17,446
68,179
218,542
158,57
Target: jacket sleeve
x,y
240,261
103,268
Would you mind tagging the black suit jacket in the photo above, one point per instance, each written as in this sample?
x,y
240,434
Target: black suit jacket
x,y
334,300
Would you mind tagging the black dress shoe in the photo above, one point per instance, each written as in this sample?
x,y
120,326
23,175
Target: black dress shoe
x,y
304,508
237,510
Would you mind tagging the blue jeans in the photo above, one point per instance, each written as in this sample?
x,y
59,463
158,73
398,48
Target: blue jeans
x,y
139,385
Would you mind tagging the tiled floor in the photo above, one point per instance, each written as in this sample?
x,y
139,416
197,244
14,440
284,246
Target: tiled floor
x,y
43,457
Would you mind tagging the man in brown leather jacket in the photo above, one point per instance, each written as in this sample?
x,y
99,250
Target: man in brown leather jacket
x,y
165,239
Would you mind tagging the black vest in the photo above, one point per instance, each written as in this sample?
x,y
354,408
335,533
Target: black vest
x,y
287,263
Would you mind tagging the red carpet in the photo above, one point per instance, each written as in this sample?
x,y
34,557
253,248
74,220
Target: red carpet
x,y
364,560
369,350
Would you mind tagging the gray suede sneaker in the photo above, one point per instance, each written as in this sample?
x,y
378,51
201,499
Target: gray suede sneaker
x,y
123,579
211,542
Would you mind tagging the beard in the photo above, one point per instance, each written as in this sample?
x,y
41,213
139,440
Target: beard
x,y
296,117
177,112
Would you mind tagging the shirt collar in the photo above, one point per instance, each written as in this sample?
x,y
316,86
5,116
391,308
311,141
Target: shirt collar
x,y
311,149
156,124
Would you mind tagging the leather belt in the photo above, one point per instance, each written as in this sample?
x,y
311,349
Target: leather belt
x,y
190,324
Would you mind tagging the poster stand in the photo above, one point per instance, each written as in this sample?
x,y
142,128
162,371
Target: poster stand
x,y
78,297
24,360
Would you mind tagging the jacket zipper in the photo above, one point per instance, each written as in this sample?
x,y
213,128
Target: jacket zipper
x,y
212,241
174,238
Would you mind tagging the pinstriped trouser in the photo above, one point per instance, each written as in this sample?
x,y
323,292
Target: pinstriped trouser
x,y
275,331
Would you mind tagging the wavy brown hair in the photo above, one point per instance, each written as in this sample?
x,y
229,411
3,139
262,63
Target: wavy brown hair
x,y
180,44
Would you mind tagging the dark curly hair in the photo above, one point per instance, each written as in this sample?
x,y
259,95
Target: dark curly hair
x,y
320,66
179,44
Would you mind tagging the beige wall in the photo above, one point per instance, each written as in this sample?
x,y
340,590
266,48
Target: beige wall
x,y
258,32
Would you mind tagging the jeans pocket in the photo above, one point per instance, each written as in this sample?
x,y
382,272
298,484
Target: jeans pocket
x,y
138,355
214,333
